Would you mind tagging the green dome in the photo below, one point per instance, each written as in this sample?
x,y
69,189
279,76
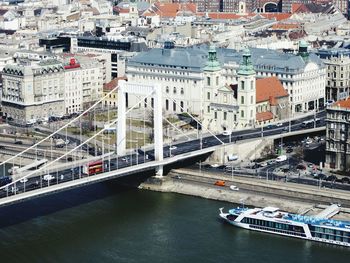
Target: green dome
x,y
302,43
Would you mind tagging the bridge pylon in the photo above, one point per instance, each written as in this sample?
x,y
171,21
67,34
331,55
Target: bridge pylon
x,y
155,92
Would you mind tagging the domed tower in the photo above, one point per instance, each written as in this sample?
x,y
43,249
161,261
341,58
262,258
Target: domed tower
x,y
303,50
246,91
212,82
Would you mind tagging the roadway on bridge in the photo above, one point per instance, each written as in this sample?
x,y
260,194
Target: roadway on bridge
x,y
139,157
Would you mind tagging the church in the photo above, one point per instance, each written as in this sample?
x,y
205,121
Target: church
x,y
249,103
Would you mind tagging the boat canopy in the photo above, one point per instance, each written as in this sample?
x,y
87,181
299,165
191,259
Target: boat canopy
x,y
270,209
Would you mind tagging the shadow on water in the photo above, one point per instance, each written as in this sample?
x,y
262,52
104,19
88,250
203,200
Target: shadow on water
x,y
20,212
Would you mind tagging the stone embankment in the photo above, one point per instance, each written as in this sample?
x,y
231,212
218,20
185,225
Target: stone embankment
x,y
290,197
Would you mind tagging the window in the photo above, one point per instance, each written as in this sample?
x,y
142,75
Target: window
x,y
174,106
208,95
145,102
251,84
208,81
167,89
215,115
225,116
182,91
166,104
251,100
174,90
217,81
225,98
208,109
242,85
242,99
182,106
242,114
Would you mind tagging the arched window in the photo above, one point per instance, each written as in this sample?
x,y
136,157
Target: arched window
x,y
208,81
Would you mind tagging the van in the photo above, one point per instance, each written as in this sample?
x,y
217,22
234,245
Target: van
x,y
281,158
48,177
232,157
219,183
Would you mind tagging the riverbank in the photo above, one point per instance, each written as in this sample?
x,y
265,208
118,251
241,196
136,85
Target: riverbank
x,y
294,198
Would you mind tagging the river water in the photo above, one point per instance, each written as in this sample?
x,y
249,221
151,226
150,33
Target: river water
x,y
110,223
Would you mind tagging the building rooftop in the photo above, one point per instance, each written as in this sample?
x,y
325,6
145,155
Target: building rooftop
x,y
112,84
342,103
196,57
269,89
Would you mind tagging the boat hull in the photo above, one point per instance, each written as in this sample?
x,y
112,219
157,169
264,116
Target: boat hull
x,y
223,216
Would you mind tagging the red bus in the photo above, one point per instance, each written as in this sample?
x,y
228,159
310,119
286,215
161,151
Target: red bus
x,y
93,168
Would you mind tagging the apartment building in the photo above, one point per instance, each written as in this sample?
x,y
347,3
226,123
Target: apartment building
x,y
337,62
33,90
338,136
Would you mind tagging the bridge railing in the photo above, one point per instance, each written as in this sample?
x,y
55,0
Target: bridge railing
x,y
38,179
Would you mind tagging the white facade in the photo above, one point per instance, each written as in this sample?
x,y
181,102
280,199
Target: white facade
x,y
83,85
180,84
33,92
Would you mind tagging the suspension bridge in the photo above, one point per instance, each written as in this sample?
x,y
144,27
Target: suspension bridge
x,y
112,158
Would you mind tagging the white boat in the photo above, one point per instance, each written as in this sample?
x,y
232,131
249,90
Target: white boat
x,y
272,220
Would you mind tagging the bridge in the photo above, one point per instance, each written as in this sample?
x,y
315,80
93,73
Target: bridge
x,y
60,174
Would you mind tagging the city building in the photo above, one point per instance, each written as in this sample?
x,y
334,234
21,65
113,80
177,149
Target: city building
x,y
337,62
112,99
118,47
249,103
33,91
179,72
302,75
338,135
272,101
83,83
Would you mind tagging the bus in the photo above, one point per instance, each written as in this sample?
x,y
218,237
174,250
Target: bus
x,y
93,168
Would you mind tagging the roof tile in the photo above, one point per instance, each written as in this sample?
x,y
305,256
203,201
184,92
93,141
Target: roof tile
x,y
269,89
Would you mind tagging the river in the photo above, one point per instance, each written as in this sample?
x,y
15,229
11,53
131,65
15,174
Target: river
x,y
110,223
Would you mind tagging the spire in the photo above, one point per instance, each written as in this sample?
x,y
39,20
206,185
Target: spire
x,y
246,67
212,63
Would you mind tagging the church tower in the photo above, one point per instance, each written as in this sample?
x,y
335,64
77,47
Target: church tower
x,y
212,82
246,91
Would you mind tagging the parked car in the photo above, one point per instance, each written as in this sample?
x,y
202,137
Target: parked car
x,y
234,188
227,132
345,180
281,158
219,183
255,166
301,166
5,180
331,178
18,142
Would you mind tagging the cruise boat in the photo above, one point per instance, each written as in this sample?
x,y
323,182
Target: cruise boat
x,y
273,220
